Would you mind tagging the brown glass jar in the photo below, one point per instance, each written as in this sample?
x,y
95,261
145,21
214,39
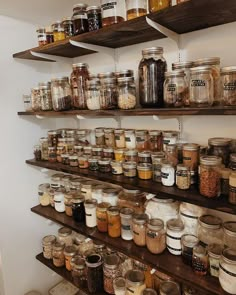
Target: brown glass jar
x,y
80,19
155,141
112,12
114,222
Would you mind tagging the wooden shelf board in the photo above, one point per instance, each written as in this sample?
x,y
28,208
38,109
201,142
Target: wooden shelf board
x,y
190,196
165,262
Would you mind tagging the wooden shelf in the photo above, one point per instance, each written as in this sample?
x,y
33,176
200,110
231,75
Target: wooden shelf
x,y
178,270
63,272
190,196
213,111
186,17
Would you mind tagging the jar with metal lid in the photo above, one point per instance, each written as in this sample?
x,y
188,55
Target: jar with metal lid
x,y
59,204
70,142
78,211
100,136
188,242
228,85
169,288
120,138
124,73
82,136
93,164
156,5
109,137
209,176
201,87
169,137
79,78
229,228
69,252
130,139
214,253
68,203
47,244
155,236
86,189
133,199
105,75
104,165
135,282
43,193
212,63
56,180
142,140
83,162
94,18
78,271
156,168
73,161
183,66
131,156
232,163
65,235
93,95
155,140
61,94
119,154
36,99
45,96
210,230
126,93
58,31
183,177
108,152
97,151
78,150
94,273
87,151
108,94
126,223
90,212
37,153
144,171
130,169
139,222
232,188
175,89
116,167
80,19
149,291
119,286
135,8
152,70
174,232
49,35
167,173
100,248
58,254
113,12
42,37
111,271
67,24
220,147
224,181
102,222
200,260
191,156
114,222
227,275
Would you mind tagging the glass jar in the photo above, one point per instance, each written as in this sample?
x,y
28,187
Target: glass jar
x,y
183,177
61,94
52,154
104,165
65,159
99,136
174,232
68,203
175,89
45,96
49,35
135,282
227,275
126,223
93,164
47,244
36,99
201,87
65,235
152,70
188,242
144,157
97,151
78,150
130,169
109,137
94,273
155,141
56,181
191,156
73,161
78,272
37,153
86,189
220,147
80,19
131,156
111,271
224,182
68,27
210,230
43,193
120,138
97,192
94,18
119,286
200,260
156,5
228,85
108,94
59,201
209,176
155,236
114,223
183,66
90,212
78,210
108,153
133,199
83,162
60,151
27,103
110,195
93,95
232,188
169,137
112,12
149,291
75,184
102,223
230,234
119,154
139,222
232,163
42,37
58,254
83,136
142,140
144,171
135,8
126,93
117,168
169,288
58,31
100,248
69,252
214,253
79,78
156,169
130,139
172,154
167,173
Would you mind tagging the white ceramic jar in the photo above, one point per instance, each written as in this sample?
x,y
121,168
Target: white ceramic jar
x,y
167,173
59,201
227,274
90,212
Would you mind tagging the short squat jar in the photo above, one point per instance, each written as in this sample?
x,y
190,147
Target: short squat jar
x,y
174,232
130,169
104,165
155,236
144,171
188,242
227,275
139,229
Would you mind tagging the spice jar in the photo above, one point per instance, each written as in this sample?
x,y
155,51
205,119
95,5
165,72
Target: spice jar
x,y
80,19
126,223
58,31
45,96
220,147
69,252
214,252
56,180
232,188
59,201
144,171
156,5
93,95
97,192
188,242
167,173
209,176
114,223
174,232
102,222
47,244
61,94
112,12
191,156
78,210
90,212
117,168
104,165
60,151
73,161
156,168
144,157
97,151
155,140
37,153
152,70
43,193
183,177
120,138
99,136
108,94
111,271
65,159
210,230
131,156
130,169
94,273
169,288
58,254
94,18
126,93
65,236
230,234
227,275
42,38
109,137
78,272
155,236
108,153
27,103
130,139
68,27
36,99
228,85
119,154
93,164
139,229
83,136
200,260
135,282
135,8
224,181
83,162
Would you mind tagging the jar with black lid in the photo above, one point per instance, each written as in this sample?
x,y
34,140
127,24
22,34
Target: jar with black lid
x,y
68,27
152,70
80,19
94,18
94,273
220,147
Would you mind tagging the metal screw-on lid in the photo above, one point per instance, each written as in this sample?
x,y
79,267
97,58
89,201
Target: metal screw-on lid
x,y
49,240
135,277
210,160
175,224
64,231
80,65
140,218
170,288
130,165
228,70
106,75
127,73
80,5
219,141
207,61
94,7
152,50
210,221
203,69
182,65
77,262
191,147
144,167
177,73
189,291
111,261
70,250
113,210
58,245
155,224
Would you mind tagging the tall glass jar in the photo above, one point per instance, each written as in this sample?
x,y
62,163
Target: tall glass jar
x,y
61,94
155,236
135,8
47,244
111,271
45,95
113,12
220,147
114,222
58,31
228,85
80,19
44,148
94,18
78,210
68,27
99,136
191,156
152,70
183,66
214,253
65,235
127,93
94,273
69,252
142,140
108,94
90,212
227,275
172,154
155,140
126,223
93,95
174,232
102,222
156,5
167,173
183,177
156,169
78,271
139,229
58,254
135,282
188,242
120,138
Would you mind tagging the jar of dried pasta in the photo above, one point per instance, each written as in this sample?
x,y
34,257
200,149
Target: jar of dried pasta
x,y
139,229
114,222
155,236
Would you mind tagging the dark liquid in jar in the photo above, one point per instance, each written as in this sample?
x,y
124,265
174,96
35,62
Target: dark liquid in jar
x,y
80,26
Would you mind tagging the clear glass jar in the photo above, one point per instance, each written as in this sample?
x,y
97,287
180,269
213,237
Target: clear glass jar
x,y
108,94
86,189
133,199
94,18
169,137
167,173
142,140
169,288
232,188
220,147
102,223
183,177
144,171
110,195
152,70
82,136
68,27
109,137
100,248
119,154
83,162
156,5
100,136
108,153
130,139
58,31
69,252
127,93
61,94
58,256
94,273
155,236
27,103
52,154
175,89
65,235
93,164
119,286
97,151
78,272
65,159
97,192
224,182
78,211
209,176
78,150
114,222
104,165
156,169
227,275
37,152
188,242
75,184
45,96
155,140
131,156
228,85
111,271
172,154
130,169
56,181
174,232
126,215
200,260
116,167
73,161
144,157
47,244
43,193
214,253
135,8
42,37
230,234
191,156
120,138
80,19
112,12
90,212
139,222
93,95
60,151
135,282
232,163
49,35
35,99
201,87
210,230
183,66
68,203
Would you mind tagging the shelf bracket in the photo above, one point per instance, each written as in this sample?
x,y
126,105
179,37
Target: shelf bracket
x,y
178,119
97,48
51,57
39,117
79,117
118,121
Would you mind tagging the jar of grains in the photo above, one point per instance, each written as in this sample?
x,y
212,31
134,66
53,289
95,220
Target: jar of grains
x,y
174,232
227,275
126,215
65,235
139,229
114,223
191,156
109,137
155,236
58,254
69,252
214,253
99,136
142,140
135,282
230,234
108,94
155,140
111,271
130,139
94,273
210,230
183,177
130,169
188,242
220,147
120,138
127,93
61,94
167,173
47,244
228,85
102,222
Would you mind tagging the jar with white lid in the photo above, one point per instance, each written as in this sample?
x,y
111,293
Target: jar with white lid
x,y
230,234
167,173
130,139
228,85
110,195
189,214
174,232
59,201
169,288
214,253
126,215
169,137
135,282
65,235
227,275
210,230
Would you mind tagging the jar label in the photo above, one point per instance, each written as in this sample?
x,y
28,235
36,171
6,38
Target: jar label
x,y
127,139
171,87
198,83
228,272
231,86
125,227
117,137
89,214
140,139
82,16
109,5
165,175
188,216
166,141
129,290
151,235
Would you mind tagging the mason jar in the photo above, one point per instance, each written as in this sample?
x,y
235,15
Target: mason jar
x,y
139,229
45,95
169,137
113,12
47,244
109,137
126,223
220,147
228,85
108,94
155,236
155,140
93,95
90,212
200,260
69,252
126,93
214,253
167,173
156,5
58,254
65,235
230,234
94,18
142,140
169,287
183,66
135,282
80,18
227,275
61,94
111,271
135,8
183,177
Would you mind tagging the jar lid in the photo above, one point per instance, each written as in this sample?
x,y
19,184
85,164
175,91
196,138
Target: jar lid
x,y
109,130
111,261
82,131
199,251
77,262
106,75
94,7
80,5
73,157
90,203
210,221
177,73
219,141
229,70
93,260
229,256
66,19
191,147
210,160
130,165
103,206
152,50
80,65
104,161
154,132
64,231
169,287
215,250
43,139
108,81
182,167
202,69
225,173
112,192
182,64
140,218
59,245
170,133
49,240
119,283
116,163
44,186
135,277
144,154
70,250
125,212
160,155
125,79
140,132
98,245
230,228
155,224
207,61
119,131
175,224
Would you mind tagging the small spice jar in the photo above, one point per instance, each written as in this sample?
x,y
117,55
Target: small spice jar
x,y
227,275
131,155
210,230
135,282
93,164
126,215
230,234
108,153
68,203
47,244
58,254
174,232
144,157
228,85
130,169
73,161
169,287
83,162
104,165
90,212
169,137
167,173
44,148
142,140
172,154
78,272
94,273
120,138
139,229
102,222
94,18
232,188
126,93
130,139
59,204
214,253
119,154
188,242
69,252
183,177
224,181
191,156
65,235
200,260
114,223
42,38
58,31
109,137
117,168
155,236
111,271
78,211
232,163
144,171
220,147
155,141
99,136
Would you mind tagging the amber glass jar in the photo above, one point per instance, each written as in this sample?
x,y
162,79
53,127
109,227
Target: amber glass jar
x,y
114,222
58,31
102,222
135,8
156,5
